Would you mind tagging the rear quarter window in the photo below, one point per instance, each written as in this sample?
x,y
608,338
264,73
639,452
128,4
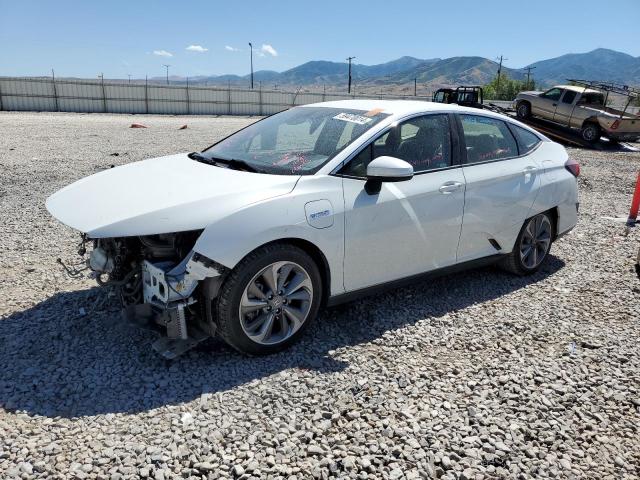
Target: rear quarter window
x,y
527,140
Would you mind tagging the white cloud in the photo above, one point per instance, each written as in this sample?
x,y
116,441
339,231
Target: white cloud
x,y
266,48
197,48
162,53
231,49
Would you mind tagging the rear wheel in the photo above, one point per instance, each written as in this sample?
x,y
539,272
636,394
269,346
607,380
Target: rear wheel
x,y
532,246
523,110
590,132
269,299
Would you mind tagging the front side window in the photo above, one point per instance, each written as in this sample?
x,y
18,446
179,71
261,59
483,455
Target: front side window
x,y
298,141
569,96
553,94
487,139
527,140
424,142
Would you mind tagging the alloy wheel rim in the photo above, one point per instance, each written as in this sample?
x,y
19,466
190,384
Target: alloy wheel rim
x,y
523,110
276,303
535,242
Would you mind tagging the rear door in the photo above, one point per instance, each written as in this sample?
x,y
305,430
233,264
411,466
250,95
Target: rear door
x,y
412,226
545,105
565,106
501,186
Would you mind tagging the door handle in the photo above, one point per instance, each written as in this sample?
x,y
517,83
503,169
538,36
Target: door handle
x,y
449,187
529,170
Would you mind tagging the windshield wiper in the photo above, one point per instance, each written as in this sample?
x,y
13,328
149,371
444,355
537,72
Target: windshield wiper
x,y
198,157
235,164
229,162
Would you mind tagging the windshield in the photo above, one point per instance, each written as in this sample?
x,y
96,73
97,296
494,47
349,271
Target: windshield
x,y
298,141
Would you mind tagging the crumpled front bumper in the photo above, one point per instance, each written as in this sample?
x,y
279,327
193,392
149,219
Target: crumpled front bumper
x,y
168,293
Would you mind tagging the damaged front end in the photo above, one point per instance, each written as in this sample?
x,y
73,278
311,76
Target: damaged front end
x,y
163,284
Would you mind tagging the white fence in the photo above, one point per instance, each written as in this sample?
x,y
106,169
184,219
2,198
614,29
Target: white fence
x,y
98,96
45,94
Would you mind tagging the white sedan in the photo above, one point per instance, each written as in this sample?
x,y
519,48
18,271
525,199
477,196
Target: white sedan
x,y
314,206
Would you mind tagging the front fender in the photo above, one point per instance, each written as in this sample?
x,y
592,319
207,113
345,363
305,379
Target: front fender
x,y
228,240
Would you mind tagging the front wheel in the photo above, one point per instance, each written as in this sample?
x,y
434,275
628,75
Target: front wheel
x,y
523,110
532,246
269,299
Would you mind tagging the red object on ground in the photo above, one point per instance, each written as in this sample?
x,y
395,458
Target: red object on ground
x,y
137,125
182,127
635,204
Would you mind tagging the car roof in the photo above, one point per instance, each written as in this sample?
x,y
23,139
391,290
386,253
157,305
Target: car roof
x,y
399,108
577,89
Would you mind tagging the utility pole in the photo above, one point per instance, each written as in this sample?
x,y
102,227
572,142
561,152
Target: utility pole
x,y
167,67
499,73
251,48
415,87
349,60
528,69
55,90
104,96
129,75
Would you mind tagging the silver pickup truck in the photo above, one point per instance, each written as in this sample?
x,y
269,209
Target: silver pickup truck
x,y
581,109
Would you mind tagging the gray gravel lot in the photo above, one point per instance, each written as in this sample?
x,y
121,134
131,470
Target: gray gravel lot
x,y
477,375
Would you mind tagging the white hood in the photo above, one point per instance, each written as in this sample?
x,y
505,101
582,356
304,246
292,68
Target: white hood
x,y
161,195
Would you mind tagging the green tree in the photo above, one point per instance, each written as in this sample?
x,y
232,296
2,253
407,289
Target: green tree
x,y
505,88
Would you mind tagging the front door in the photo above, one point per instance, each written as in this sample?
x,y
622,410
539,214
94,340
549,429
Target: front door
x,y
412,226
564,110
546,104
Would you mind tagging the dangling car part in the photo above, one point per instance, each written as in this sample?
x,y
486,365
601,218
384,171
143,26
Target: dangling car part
x,y
313,206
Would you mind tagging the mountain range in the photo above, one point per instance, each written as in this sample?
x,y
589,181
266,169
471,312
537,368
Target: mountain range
x,y
599,64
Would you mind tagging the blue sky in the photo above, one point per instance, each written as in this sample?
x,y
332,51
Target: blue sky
x,y
84,38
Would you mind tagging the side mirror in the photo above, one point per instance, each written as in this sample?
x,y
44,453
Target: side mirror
x,y
386,169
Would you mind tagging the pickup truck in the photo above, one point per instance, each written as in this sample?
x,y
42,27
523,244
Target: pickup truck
x,y
582,109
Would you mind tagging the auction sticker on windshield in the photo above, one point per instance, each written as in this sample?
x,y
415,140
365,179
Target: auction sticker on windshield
x,y
353,118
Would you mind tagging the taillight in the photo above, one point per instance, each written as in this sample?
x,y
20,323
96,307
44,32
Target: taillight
x,y
573,167
615,124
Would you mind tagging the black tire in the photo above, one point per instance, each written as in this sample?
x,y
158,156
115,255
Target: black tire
x,y
514,261
523,110
591,132
232,290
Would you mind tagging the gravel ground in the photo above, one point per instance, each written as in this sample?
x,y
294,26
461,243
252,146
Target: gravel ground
x,y
477,375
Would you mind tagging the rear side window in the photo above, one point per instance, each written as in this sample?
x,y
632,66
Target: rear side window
x,y
592,99
569,96
487,139
527,141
